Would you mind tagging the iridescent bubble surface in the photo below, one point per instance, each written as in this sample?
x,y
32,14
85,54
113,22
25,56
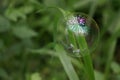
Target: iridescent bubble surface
x,y
75,25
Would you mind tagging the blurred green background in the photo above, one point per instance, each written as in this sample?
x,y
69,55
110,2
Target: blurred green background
x,y
27,25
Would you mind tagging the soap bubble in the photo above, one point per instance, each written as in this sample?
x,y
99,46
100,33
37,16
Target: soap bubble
x,y
77,25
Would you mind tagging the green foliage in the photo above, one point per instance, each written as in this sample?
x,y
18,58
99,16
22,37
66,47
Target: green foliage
x,y
23,32
28,47
115,67
4,24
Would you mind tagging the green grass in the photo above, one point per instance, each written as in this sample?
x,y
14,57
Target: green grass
x,y
66,62
28,41
85,55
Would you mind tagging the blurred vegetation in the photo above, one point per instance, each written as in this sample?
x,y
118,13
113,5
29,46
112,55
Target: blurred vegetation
x,y
27,39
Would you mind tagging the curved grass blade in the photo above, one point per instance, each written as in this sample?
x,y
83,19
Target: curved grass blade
x,y
66,62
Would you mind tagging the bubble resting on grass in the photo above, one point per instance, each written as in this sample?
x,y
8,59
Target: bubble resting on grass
x,y
79,24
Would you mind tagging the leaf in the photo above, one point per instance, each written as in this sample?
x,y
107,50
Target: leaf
x,y
51,2
115,25
65,60
115,67
81,3
26,9
24,32
110,51
98,75
101,2
4,24
14,14
36,76
1,44
3,73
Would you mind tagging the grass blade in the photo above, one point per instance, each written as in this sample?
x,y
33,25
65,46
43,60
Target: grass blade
x,y
86,58
110,57
65,60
